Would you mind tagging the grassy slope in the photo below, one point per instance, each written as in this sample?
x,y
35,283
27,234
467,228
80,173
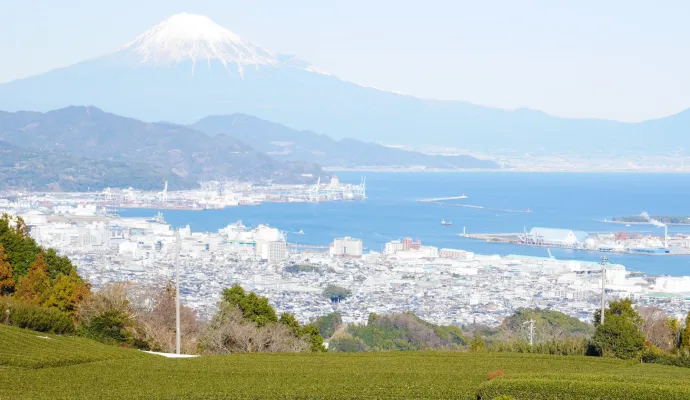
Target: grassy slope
x,y
88,370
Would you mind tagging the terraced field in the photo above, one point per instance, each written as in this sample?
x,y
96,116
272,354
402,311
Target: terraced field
x,y
29,349
70,368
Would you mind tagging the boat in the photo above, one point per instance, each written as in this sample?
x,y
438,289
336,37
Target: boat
x,y
158,218
446,223
301,232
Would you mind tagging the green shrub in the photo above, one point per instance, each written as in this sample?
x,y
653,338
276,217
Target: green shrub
x,y
36,318
110,327
567,347
658,356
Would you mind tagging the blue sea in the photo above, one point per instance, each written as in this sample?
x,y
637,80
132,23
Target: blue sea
x,y
578,201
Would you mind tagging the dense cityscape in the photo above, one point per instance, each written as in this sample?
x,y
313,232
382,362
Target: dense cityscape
x,y
444,286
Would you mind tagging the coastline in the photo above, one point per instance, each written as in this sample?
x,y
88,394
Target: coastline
x,y
595,170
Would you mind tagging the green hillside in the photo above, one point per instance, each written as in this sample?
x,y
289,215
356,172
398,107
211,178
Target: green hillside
x,y
72,368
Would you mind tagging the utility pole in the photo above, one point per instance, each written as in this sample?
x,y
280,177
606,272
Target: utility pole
x,y
177,289
604,261
531,331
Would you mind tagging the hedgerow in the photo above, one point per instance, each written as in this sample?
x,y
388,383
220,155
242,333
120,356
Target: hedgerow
x,y
36,318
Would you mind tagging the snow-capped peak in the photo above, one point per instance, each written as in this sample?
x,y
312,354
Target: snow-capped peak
x,y
193,37
190,37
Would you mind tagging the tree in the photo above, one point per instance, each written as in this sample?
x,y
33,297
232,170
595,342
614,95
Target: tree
x,y
550,326
231,332
685,335
67,292
619,335
20,250
312,336
328,324
254,308
35,287
107,316
676,330
57,265
308,333
655,327
155,322
347,344
6,274
291,323
258,329
336,293
477,343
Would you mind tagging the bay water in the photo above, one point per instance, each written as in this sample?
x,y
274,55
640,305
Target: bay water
x,y
578,201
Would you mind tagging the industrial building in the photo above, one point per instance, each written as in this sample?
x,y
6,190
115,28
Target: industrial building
x,y
346,247
405,244
555,237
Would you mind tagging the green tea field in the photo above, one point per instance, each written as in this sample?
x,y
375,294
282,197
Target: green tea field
x,y
38,366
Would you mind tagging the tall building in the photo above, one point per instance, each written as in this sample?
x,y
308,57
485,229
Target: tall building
x,y
394,246
409,244
277,251
346,247
405,244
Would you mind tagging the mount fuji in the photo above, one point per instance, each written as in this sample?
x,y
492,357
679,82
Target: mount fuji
x,y
188,67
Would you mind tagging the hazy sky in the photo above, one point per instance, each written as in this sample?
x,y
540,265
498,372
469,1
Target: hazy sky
x,y
619,59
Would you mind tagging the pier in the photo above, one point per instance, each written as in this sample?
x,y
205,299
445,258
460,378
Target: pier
x,y
478,207
442,199
628,247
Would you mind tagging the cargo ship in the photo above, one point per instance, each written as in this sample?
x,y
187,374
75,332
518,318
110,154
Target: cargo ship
x,y
446,223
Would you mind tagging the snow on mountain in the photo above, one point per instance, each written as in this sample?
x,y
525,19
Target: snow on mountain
x,y
196,38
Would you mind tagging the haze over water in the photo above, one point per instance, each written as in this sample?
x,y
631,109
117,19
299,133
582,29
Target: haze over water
x,y
577,201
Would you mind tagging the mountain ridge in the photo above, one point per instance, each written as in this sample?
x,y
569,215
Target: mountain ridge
x,y
284,144
89,132
291,92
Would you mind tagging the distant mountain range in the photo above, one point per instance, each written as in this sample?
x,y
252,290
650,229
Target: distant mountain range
x,y
130,152
55,171
188,67
283,143
76,148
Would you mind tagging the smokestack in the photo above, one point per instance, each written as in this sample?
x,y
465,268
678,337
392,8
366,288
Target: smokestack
x,y
665,236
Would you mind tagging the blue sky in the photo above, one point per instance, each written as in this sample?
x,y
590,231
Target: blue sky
x,y
623,60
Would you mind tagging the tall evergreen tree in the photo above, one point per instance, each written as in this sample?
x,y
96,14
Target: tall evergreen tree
x,y
35,287
21,250
6,278
619,336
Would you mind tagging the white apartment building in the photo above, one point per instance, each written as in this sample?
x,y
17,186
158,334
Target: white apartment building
x,y
277,251
347,247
